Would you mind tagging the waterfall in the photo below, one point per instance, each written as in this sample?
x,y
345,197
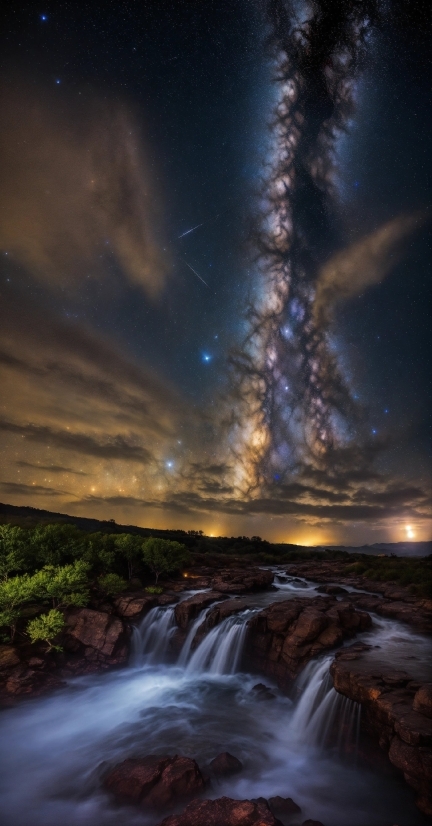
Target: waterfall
x,y
150,640
220,651
322,715
184,653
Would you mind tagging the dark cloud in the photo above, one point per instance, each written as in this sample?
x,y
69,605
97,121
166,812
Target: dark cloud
x,y
81,443
29,490
51,468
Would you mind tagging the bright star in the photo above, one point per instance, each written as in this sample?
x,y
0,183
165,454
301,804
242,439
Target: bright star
x,y
169,464
43,17
57,81
206,357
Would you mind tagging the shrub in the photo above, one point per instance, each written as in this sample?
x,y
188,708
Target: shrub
x,y
164,556
111,584
154,589
46,628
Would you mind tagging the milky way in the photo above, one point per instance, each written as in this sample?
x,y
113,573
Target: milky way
x,y
295,406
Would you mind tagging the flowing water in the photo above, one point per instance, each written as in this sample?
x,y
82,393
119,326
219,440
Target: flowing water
x,y
55,750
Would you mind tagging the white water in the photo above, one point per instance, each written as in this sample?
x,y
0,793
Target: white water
x,y
56,749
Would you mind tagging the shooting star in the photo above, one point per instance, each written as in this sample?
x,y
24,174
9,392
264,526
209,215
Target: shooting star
x,y
190,230
195,272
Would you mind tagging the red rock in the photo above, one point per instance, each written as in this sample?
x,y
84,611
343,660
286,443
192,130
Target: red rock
x,y
224,812
423,700
134,605
134,779
190,608
96,630
155,781
226,764
8,657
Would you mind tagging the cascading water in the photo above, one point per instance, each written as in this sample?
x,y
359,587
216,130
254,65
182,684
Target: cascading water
x,y
221,649
198,706
322,716
151,639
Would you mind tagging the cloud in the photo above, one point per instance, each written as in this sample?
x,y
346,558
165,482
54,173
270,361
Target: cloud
x,y
364,263
50,468
20,489
77,187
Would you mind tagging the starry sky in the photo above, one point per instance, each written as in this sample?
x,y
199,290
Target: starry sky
x,y
215,265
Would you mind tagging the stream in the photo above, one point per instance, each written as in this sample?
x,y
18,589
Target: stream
x,y
55,750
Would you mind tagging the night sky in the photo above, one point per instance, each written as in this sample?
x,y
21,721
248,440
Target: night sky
x,y
215,266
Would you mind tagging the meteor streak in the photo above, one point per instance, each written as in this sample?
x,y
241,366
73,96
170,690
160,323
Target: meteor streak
x,y
197,274
190,230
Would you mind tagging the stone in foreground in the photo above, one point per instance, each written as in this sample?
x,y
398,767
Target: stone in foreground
x,y
155,781
224,812
225,764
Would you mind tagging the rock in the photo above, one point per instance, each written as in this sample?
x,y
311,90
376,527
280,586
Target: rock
x,y
286,635
134,605
262,692
423,700
283,806
224,812
155,781
8,657
102,635
239,581
312,823
332,590
391,713
225,764
190,608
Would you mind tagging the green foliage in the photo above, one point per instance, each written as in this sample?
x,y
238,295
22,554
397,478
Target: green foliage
x,y
46,628
12,555
64,586
55,544
154,589
14,593
130,547
163,556
111,584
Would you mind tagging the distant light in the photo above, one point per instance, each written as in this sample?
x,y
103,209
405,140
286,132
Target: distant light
x,y
374,432
169,464
43,17
409,532
58,81
206,358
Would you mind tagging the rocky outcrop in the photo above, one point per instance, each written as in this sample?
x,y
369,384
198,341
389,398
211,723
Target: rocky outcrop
x,y
396,711
97,639
155,782
24,677
283,806
241,580
190,608
386,598
286,635
225,764
224,812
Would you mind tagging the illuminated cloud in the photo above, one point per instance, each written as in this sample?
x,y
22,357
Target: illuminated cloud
x,y
364,263
76,187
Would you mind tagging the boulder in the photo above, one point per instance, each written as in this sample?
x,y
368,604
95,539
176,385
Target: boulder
x,y
225,764
224,812
97,636
155,781
423,700
283,806
135,605
240,581
8,657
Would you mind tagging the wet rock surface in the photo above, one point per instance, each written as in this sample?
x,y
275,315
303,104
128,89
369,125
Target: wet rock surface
x,y
154,781
190,608
224,812
286,635
386,599
97,639
392,706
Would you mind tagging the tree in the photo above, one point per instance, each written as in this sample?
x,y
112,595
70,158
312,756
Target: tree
x,y
54,544
12,557
14,593
65,586
130,547
46,628
163,556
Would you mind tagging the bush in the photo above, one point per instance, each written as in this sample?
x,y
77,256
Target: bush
x,y
111,584
154,589
46,628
